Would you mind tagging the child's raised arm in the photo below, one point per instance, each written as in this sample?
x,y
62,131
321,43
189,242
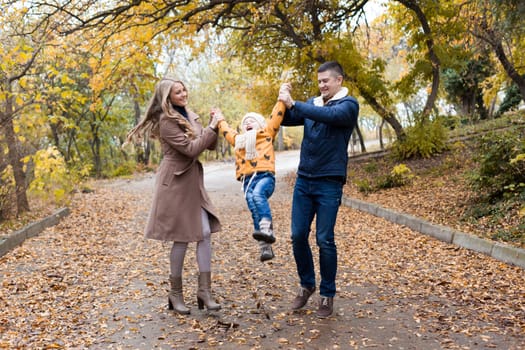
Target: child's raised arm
x,y
276,118
224,129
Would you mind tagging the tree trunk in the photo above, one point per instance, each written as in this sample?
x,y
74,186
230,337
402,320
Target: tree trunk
x,y
467,103
490,36
142,153
5,204
147,151
434,59
492,107
124,153
388,116
480,106
361,140
70,145
95,150
54,132
381,143
15,159
509,67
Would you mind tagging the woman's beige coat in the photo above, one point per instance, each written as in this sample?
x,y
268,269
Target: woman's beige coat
x,y
179,189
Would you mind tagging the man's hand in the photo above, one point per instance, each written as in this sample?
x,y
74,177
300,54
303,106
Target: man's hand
x,y
285,87
285,97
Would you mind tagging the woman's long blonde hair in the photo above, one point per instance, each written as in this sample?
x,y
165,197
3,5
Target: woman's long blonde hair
x,y
159,104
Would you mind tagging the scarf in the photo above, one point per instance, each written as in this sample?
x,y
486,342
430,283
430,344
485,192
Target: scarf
x,y
247,141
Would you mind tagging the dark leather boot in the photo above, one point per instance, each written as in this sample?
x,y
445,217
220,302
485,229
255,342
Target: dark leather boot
x,y
175,297
326,307
204,292
302,297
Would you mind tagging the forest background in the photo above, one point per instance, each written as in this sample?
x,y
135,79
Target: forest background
x,y
75,77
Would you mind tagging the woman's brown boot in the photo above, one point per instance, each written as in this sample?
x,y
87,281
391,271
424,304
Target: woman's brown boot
x,y
204,293
175,298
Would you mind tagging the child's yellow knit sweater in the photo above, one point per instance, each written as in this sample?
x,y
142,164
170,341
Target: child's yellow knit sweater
x,y
265,160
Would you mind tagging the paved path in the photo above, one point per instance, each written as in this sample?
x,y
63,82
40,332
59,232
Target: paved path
x,y
94,282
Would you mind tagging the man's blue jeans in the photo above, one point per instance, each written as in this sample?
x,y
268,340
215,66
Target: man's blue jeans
x,y
320,198
258,188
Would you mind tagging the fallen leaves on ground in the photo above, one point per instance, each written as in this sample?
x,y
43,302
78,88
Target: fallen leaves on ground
x,y
94,282
439,193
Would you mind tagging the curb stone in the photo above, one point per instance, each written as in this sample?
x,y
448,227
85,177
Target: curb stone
x,y
502,252
16,238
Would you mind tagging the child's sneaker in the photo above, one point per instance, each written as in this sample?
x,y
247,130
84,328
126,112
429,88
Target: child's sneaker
x,y
266,253
266,232
256,233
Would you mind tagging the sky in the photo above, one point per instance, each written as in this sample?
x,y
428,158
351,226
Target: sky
x,y
374,8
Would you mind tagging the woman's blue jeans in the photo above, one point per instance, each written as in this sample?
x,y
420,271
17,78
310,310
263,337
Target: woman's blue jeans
x,y
258,188
320,198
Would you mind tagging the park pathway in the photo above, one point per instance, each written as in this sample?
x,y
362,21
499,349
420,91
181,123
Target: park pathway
x,y
94,282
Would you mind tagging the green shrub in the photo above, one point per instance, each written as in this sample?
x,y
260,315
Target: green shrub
x,y
124,169
400,175
515,234
501,159
452,160
422,140
364,186
450,122
53,180
371,167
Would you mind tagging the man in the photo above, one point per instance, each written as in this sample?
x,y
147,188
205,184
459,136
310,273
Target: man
x,y
328,121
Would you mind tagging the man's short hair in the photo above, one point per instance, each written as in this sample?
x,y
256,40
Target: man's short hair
x,y
333,66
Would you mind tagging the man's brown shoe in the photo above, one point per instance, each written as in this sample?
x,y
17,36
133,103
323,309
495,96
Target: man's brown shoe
x,y
326,307
302,297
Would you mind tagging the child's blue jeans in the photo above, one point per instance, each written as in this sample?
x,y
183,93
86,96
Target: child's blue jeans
x,y
258,188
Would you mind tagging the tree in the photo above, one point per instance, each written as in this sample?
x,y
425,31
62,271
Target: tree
x,y
464,87
500,24
291,31
93,96
269,37
511,101
19,54
433,58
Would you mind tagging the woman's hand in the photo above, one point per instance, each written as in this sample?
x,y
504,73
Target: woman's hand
x,y
216,118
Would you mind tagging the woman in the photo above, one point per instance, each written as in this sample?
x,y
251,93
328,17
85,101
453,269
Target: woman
x,y
181,210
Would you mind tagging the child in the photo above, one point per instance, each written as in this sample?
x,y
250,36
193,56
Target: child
x,y
255,168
